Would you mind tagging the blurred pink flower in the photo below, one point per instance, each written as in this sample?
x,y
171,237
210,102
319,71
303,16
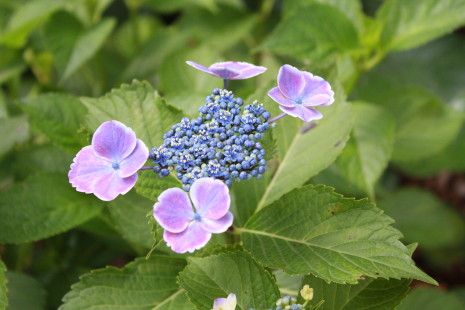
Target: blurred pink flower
x,y
225,303
230,70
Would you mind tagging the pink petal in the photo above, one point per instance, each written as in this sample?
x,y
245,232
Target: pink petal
x,y
307,114
191,239
200,67
222,71
226,303
278,96
210,198
317,91
86,169
291,81
134,161
113,141
173,211
250,71
317,100
217,226
111,185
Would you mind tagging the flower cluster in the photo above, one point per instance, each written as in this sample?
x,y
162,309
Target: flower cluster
x,y
221,143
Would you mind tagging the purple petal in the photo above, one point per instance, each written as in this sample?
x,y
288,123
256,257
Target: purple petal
x,y
307,114
245,69
317,91
111,185
173,211
278,96
86,168
210,198
200,67
217,226
291,81
189,240
226,303
225,70
113,141
134,161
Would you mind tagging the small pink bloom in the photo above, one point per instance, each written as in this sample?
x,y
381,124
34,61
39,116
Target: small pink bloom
x,y
225,303
108,167
297,91
188,229
230,70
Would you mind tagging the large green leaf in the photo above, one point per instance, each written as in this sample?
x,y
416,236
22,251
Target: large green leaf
x,y
337,239
87,45
409,23
59,117
43,206
141,285
150,185
379,294
138,106
313,33
428,298
423,218
21,285
15,131
304,149
25,20
3,282
208,278
367,153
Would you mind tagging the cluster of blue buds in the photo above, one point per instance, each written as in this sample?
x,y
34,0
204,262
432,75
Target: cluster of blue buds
x,y
221,143
286,303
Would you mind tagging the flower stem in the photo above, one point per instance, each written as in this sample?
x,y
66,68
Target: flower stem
x,y
225,83
147,168
274,119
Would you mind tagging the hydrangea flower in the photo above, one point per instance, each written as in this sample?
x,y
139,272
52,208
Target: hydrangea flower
x,y
108,167
188,229
225,303
298,91
230,70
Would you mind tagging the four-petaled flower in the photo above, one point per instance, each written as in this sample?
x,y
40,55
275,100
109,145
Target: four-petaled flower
x,y
297,91
108,167
230,70
225,303
186,229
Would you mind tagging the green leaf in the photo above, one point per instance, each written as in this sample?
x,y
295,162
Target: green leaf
x,y
440,226
428,298
59,117
288,285
142,284
409,23
26,19
334,238
43,206
304,149
379,294
21,285
150,185
130,215
87,45
3,284
138,106
15,131
367,153
208,278
313,33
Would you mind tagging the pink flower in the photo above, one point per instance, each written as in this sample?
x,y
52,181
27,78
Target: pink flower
x,y
230,70
186,229
297,91
108,167
225,303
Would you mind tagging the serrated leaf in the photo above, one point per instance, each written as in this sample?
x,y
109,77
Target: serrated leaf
x,y
59,117
138,106
130,215
428,298
43,206
15,131
440,226
21,285
3,282
208,278
369,149
409,23
334,238
150,185
368,294
25,20
87,45
313,33
141,285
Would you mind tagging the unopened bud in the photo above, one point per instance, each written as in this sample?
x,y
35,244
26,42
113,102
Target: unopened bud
x,y
306,292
